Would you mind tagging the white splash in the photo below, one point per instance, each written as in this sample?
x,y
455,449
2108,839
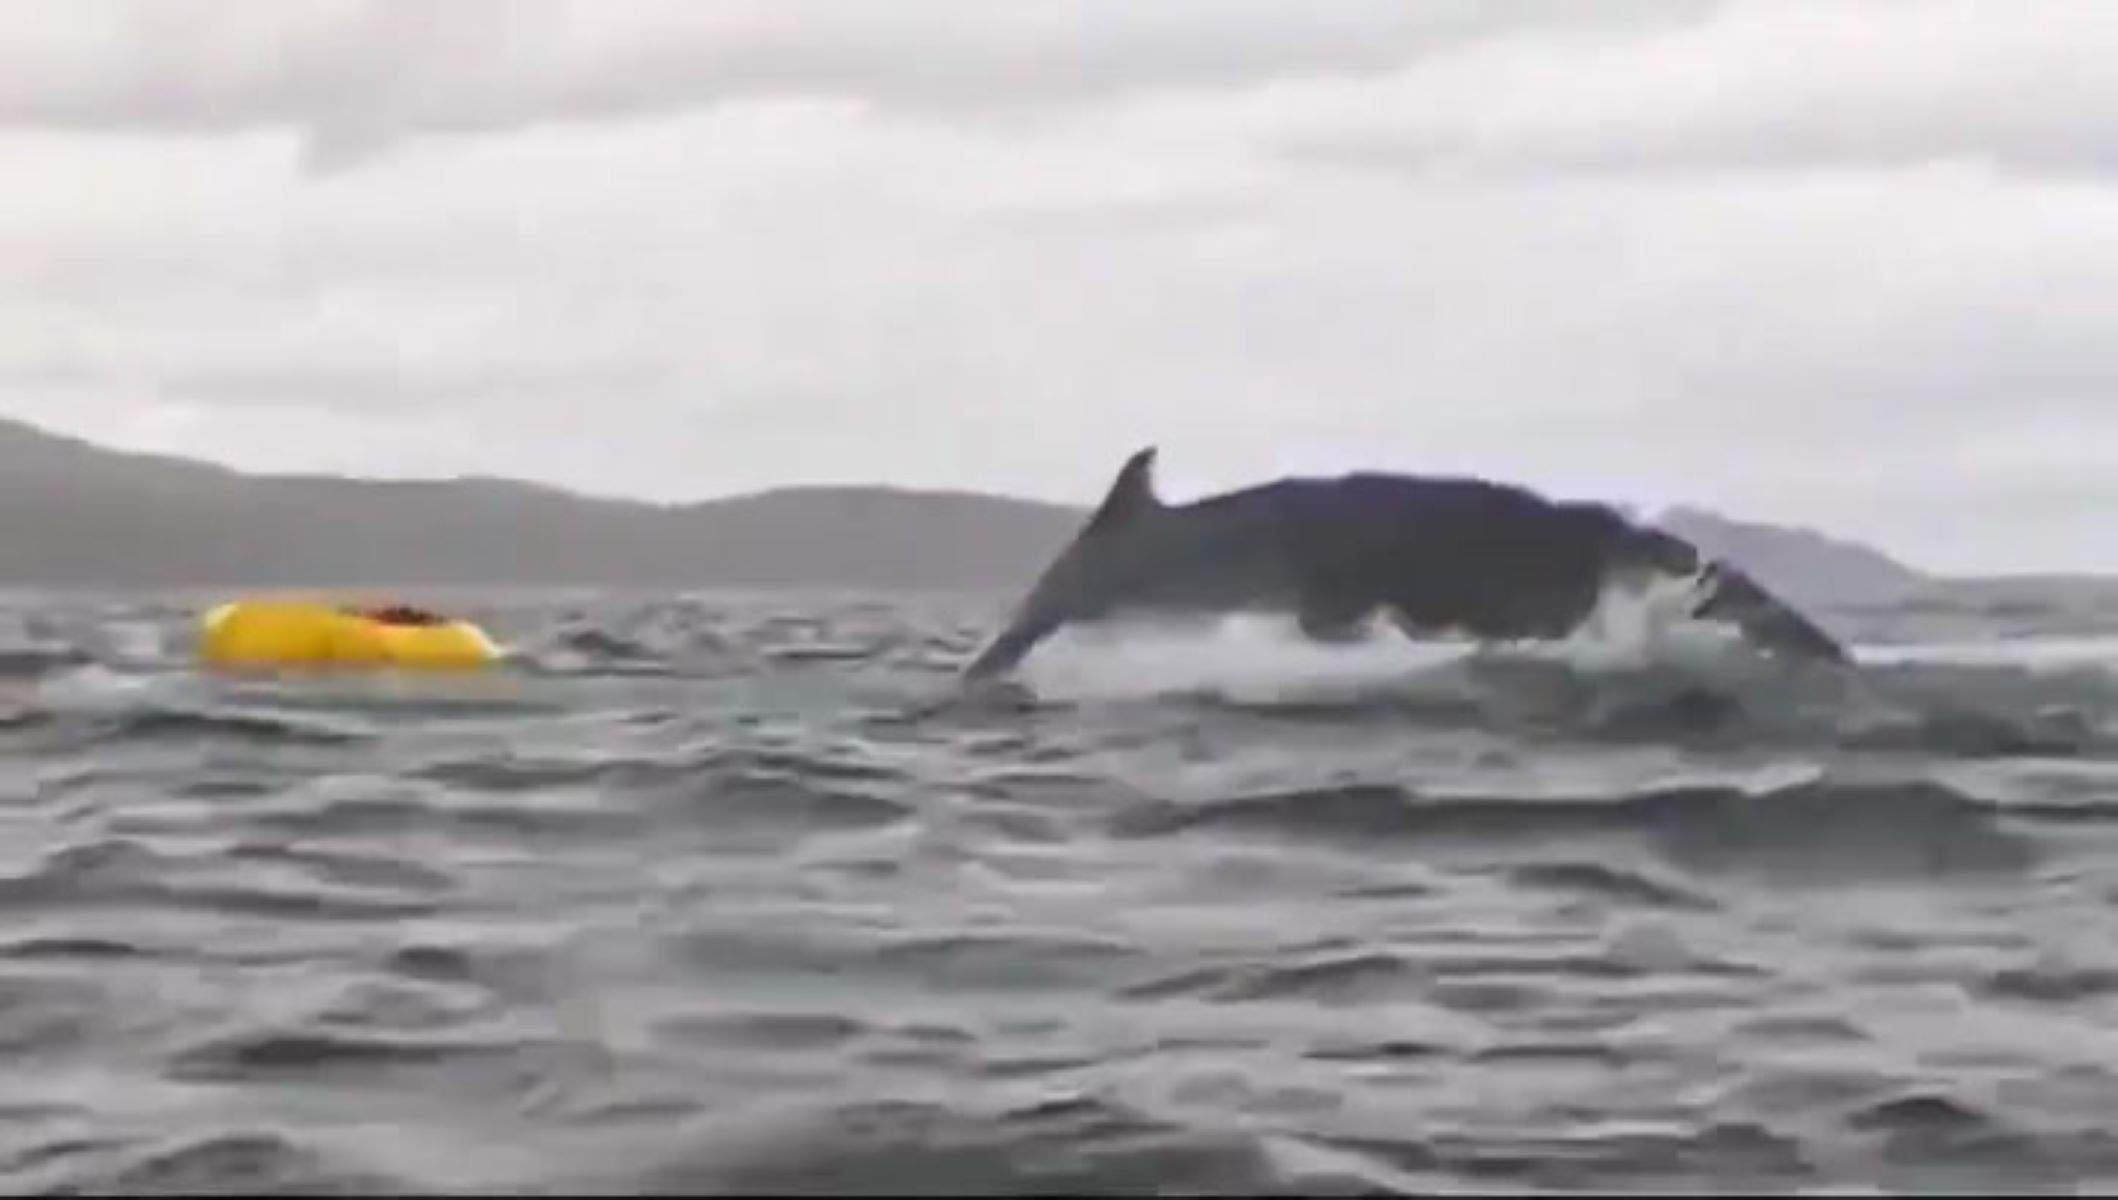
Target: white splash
x,y
1244,654
1256,656
1647,624
2050,653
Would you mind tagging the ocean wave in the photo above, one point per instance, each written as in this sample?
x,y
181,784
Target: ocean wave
x,y
188,724
1072,1146
723,894
310,1054
1604,880
126,874
32,662
1854,829
256,1162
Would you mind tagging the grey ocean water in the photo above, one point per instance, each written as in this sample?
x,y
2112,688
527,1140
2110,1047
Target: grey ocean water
x,y
714,892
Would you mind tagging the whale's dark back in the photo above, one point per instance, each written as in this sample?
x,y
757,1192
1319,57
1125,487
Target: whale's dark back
x,y
1490,558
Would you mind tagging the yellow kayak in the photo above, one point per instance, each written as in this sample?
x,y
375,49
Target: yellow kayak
x,y
270,633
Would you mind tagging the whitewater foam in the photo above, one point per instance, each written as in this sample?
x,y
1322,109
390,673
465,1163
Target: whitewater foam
x,y
1263,657
2037,653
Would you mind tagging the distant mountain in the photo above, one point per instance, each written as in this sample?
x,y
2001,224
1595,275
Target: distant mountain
x,y
73,514
76,514
1804,566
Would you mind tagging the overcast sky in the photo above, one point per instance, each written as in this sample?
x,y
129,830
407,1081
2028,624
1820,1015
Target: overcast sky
x,y
1853,266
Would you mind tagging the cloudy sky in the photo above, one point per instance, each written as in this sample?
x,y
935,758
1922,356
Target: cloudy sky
x,y
1847,265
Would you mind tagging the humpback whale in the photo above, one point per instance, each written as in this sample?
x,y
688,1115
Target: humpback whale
x,y
1431,553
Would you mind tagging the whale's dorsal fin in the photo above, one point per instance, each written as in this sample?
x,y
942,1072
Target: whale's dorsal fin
x,y
1131,495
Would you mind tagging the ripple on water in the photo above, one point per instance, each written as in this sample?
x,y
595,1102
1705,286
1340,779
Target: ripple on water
x,y
46,1015
516,772
764,797
1066,1146
1008,960
1720,1156
65,947
188,725
767,1031
2051,983
1814,832
353,868
387,1005
253,1162
1339,977
1598,879
305,1054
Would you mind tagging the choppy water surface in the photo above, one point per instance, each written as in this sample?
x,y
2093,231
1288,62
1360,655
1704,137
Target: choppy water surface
x,y
717,892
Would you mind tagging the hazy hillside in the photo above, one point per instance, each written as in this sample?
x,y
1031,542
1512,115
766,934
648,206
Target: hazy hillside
x,y
1800,564
74,514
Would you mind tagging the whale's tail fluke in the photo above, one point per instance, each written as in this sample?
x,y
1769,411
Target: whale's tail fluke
x,y
1723,592
1729,594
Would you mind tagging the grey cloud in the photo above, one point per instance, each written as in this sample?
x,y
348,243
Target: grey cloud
x,y
1765,85
1566,286
364,388
357,74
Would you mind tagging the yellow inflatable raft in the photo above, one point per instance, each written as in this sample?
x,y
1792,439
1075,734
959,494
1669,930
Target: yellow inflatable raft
x,y
280,633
